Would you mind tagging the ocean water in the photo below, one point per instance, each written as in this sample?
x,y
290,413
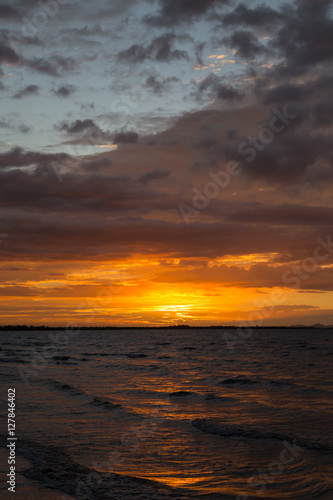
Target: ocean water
x,y
169,414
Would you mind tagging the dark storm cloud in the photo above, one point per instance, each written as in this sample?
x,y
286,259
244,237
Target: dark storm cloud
x,y
256,17
135,53
54,66
306,36
64,90
228,93
27,91
85,130
154,175
290,158
323,114
96,165
217,89
154,84
159,85
258,213
286,93
92,192
78,126
174,12
198,52
126,137
17,157
305,93
89,128
9,12
160,49
7,54
245,43
46,235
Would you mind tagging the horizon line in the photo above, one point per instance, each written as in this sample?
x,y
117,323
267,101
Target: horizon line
x,y
180,326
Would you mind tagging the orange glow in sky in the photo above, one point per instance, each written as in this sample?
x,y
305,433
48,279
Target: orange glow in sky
x,y
157,291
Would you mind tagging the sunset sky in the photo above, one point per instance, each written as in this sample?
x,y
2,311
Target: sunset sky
x,y
166,162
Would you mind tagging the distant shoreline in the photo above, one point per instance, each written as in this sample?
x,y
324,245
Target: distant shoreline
x,y
170,327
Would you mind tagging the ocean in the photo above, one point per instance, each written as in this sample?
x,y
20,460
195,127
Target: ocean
x,y
168,414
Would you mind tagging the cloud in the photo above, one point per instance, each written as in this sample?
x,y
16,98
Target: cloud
x,y
293,157
64,90
95,191
43,231
24,129
262,15
287,214
160,49
54,66
305,38
7,54
9,12
245,43
96,165
154,175
27,91
286,93
78,126
159,85
323,114
85,131
127,137
87,31
17,157
173,12
217,89
153,83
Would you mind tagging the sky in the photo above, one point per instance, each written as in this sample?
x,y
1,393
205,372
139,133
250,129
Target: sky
x,y
166,162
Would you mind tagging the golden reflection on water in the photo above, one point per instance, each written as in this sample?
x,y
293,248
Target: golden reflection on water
x,y
179,482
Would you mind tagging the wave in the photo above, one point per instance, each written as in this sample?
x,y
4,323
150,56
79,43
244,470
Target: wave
x,y
72,391
196,395
135,355
181,394
64,360
52,467
13,360
241,381
106,405
248,432
60,386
